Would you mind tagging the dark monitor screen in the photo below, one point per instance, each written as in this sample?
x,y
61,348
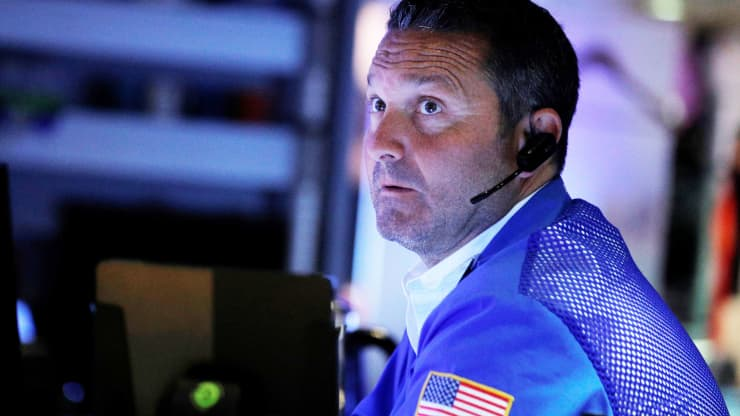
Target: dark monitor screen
x,y
266,337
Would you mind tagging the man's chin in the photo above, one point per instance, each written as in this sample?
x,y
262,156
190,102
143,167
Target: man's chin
x,y
407,228
406,236
391,232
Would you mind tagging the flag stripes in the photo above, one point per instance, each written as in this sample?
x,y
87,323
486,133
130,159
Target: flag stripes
x,y
450,395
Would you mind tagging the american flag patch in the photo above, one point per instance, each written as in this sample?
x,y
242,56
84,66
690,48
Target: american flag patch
x,y
448,394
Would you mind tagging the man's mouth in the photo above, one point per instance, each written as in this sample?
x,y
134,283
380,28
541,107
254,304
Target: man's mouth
x,y
395,191
395,188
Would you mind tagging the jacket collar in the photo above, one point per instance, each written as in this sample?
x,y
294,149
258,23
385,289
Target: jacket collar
x,y
536,214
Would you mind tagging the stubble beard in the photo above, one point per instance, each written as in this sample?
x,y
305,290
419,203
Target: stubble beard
x,y
414,233
412,228
434,234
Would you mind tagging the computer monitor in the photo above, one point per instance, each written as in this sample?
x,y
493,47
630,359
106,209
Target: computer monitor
x,y
267,336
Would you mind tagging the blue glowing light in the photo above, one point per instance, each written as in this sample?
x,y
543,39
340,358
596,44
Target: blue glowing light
x,y
26,325
73,391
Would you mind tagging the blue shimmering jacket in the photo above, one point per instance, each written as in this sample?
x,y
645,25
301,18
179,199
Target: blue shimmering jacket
x,y
556,316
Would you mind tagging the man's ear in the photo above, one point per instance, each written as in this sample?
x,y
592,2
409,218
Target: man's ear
x,y
545,120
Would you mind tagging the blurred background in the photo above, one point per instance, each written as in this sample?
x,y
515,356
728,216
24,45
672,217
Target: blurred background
x,y
227,132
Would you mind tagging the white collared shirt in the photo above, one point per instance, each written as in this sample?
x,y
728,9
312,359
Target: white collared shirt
x,y
425,288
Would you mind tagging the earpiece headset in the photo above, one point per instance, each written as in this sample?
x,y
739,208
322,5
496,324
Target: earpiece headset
x,y
538,148
536,151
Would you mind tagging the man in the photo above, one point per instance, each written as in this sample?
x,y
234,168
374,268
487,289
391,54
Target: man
x,y
526,302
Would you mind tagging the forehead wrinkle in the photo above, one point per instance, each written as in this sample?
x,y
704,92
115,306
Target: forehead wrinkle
x,y
431,79
466,53
441,76
447,58
448,80
461,46
423,72
455,56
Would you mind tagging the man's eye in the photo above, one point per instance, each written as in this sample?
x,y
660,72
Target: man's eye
x,y
429,107
377,105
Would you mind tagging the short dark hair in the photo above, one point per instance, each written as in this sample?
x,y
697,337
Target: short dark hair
x,y
531,63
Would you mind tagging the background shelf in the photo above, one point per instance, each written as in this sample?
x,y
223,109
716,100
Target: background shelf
x,y
229,39
133,146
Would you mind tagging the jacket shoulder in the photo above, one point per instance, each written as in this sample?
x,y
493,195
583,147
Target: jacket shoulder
x,y
580,269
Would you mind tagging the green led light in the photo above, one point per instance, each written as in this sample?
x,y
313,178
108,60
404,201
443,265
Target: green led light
x,y
206,395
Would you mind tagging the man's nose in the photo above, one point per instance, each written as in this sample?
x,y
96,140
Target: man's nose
x,y
388,141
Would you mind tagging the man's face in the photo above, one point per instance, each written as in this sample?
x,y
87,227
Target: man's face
x,y
432,142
